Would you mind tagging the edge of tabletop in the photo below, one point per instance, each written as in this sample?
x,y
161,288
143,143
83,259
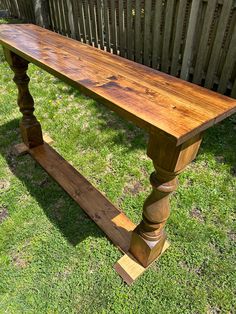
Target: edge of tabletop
x,y
150,127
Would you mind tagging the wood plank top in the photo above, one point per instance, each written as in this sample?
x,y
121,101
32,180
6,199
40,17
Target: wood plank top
x,y
151,99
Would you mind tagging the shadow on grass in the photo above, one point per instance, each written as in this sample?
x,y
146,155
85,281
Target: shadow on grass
x,y
60,209
126,134
219,140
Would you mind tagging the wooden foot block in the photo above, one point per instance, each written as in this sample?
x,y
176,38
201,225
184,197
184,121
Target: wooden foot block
x,y
22,149
47,139
129,269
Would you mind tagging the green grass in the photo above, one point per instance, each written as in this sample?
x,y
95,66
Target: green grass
x,y
54,259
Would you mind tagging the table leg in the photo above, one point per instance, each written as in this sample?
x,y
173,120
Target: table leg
x,y
169,160
29,126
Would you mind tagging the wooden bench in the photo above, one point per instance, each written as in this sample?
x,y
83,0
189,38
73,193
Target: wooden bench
x,y
174,112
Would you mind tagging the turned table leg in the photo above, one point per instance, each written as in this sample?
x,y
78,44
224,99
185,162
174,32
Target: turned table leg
x,y
169,160
29,126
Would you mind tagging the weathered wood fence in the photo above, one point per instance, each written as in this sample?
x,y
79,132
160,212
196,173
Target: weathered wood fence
x,y
191,39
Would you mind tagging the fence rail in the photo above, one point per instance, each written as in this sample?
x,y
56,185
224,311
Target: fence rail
x,y
191,39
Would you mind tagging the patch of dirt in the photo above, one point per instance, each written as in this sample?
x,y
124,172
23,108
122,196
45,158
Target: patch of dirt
x,y
12,161
190,182
184,265
57,212
201,270
18,258
134,189
3,214
214,310
44,183
65,273
220,159
232,236
196,213
19,261
4,184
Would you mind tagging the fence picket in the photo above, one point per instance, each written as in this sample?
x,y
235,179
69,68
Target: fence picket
x,y
71,18
121,29
75,12
229,63
107,26
113,27
66,19
210,76
26,5
57,22
138,31
32,14
61,16
100,24
167,35
94,31
51,15
226,41
156,35
14,10
3,5
233,92
129,30
22,4
87,21
190,40
82,22
178,37
57,12
147,32
15,13
202,55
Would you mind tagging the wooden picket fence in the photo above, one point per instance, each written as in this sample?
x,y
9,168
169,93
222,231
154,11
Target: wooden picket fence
x,y
191,39
22,9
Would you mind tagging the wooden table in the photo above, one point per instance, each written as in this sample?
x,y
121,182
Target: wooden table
x,y
174,112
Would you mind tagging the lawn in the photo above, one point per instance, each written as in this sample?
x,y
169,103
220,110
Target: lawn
x,y
54,259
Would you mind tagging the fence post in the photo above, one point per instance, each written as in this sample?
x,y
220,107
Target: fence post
x,y
41,11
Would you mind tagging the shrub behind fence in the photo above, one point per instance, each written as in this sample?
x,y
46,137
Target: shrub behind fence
x,y
192,39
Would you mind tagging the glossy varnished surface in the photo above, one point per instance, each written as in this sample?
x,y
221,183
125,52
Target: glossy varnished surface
x,y
153,100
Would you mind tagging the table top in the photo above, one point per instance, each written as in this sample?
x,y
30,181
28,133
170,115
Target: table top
x,y
153,100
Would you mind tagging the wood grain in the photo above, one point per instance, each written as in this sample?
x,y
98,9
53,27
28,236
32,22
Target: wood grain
x,y
130,270
151,99
21,149
109,218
